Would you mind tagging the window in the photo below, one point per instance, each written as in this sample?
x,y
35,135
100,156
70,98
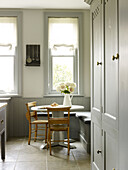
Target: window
x,y
10,54
63,54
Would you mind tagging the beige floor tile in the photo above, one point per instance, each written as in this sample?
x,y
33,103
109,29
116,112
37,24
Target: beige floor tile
x,y
7,166
11,156
30,166
62,165
21,156
63,168
31,158
59,154
85,165
59,157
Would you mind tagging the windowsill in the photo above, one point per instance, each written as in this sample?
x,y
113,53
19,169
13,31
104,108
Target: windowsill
x,y
5,99
6,96
60,95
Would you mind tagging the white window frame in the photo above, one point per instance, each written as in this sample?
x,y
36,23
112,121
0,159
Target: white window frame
x,y
18,55
78,63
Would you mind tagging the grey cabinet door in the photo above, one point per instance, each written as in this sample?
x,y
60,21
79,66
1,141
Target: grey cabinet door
x,y
96,71
111,64
111,73
123,85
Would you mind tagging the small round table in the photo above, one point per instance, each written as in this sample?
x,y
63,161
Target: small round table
x,y
56,135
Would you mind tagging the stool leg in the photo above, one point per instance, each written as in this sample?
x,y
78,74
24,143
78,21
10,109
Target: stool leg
x,y
29,134
45,133
35,133
68,141
50,141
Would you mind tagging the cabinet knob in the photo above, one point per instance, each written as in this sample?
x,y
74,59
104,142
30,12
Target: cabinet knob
x,y
99,63
115,57
2,121
99,151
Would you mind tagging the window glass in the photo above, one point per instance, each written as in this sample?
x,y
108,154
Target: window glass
x,y
6,74
8,35
62,70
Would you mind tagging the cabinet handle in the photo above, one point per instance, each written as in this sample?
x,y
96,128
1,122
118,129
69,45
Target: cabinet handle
x,y
99,63
2,121
98,152
115,57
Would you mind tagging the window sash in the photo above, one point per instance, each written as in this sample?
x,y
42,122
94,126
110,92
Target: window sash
x,y
8,42
75,71
16,52
7,84
70,26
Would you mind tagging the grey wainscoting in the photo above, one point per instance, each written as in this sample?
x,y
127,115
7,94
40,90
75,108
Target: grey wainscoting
x,y
17,124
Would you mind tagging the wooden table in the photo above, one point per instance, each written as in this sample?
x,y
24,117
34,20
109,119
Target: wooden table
x,y
57,135
2,128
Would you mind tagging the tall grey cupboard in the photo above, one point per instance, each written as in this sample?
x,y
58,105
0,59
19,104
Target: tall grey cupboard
x,y
96,83
123,85
105,84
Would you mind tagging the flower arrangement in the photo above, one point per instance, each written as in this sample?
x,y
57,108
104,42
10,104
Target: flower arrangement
x,y
66,88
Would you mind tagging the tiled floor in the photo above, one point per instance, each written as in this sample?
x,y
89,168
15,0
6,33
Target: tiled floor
x,y
21,156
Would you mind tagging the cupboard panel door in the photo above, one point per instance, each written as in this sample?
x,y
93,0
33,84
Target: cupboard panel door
x,y
96,14
96,56
97,147
110,150
123,85
111,64
96,84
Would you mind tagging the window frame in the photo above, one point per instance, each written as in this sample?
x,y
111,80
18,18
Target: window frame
x,y
78,61
18,54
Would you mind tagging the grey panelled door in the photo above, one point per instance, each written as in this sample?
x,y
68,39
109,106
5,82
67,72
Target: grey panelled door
x,y
96,137
110,115
111,62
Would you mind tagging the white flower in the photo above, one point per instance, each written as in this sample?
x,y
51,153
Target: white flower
x,y
67,84
73,85
71,89
67,87
58,88
62,87
61,84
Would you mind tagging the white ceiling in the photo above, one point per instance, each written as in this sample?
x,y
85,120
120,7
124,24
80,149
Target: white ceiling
x,y
44,4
